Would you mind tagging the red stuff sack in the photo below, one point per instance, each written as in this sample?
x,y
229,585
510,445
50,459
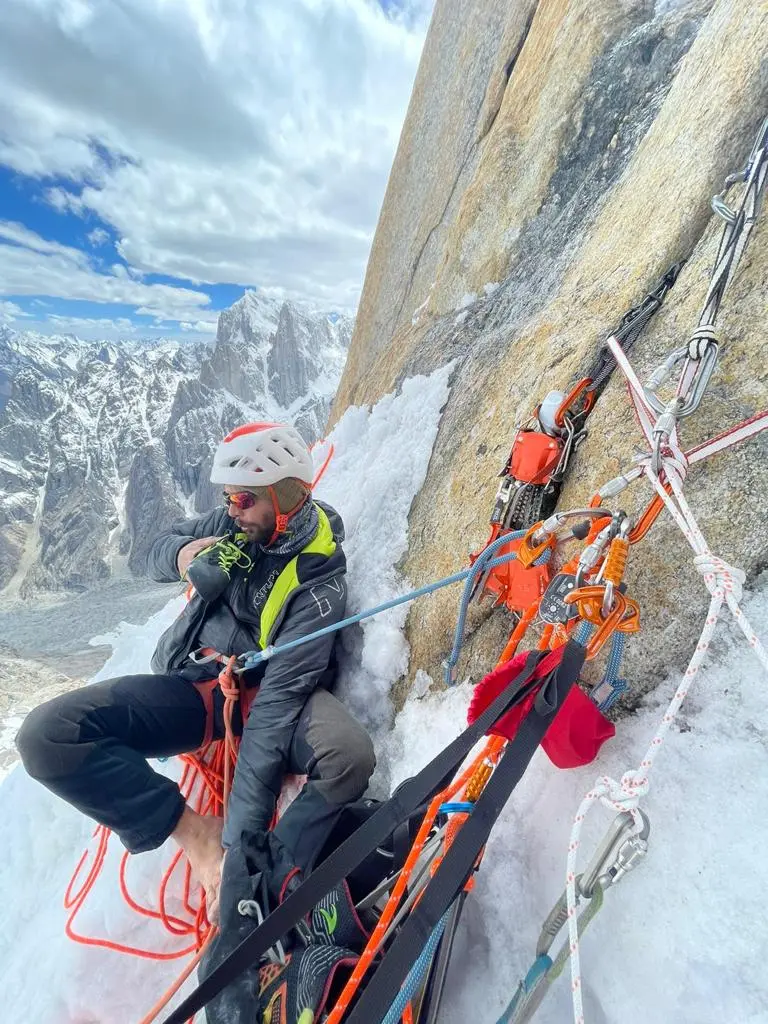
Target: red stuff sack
x,y
578,729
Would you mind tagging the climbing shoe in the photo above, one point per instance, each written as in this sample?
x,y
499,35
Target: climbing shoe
x,y
298,991
210,571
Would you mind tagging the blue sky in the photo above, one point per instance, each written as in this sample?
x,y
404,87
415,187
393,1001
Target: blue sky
x,y
157,160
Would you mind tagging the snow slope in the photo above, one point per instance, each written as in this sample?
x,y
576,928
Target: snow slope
x,y
683,938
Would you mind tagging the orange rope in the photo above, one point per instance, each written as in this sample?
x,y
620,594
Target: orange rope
x,y
491,744
166,998
204,784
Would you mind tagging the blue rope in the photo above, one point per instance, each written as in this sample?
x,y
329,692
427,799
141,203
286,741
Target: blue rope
x,y
615,657
619,686
611,679
449,665
583,633
450,662
416,973
484,561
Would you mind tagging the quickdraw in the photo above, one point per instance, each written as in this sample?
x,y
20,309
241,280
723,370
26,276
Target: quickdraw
x,y
622,848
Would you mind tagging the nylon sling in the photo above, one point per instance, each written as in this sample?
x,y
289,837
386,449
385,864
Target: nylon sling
x,y
410,795
459,862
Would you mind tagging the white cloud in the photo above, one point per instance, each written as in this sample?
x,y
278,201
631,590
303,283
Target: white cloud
x,y
98,236
199,327
31,265
112,328
99,327
9,312
244,142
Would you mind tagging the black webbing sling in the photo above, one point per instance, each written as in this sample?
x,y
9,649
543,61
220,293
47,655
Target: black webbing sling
x,y
411,794
459,861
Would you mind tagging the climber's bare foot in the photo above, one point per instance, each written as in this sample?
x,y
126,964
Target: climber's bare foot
x,y
199,836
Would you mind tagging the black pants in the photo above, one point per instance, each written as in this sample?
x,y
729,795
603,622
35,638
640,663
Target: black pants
x,y
90,748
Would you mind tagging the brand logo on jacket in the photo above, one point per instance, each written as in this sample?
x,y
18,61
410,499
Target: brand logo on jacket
x,y
261,594
337,585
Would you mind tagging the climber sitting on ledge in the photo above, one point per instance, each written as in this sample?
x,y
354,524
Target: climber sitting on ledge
x,y
267,567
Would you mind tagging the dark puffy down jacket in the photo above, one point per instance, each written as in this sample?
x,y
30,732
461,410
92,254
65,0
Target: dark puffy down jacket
x,y
231,625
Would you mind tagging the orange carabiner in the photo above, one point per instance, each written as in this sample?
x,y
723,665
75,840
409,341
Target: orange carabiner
x,y
580,390
648,517
527,553
630,623
589,601
616,561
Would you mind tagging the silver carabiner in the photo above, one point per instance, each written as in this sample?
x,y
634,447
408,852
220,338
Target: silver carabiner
x,y
556,520
662,431
617,854
592,554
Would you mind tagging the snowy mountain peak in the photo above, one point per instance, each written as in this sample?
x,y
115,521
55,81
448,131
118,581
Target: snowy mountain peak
x,y
255,314
99,441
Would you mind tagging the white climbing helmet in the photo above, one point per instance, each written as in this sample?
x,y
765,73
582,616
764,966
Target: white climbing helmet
x,y
261,454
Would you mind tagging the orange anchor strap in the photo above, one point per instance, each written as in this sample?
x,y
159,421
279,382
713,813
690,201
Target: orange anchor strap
x,y
580,391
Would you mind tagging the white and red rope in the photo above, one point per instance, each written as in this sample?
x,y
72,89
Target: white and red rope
x,y
724,583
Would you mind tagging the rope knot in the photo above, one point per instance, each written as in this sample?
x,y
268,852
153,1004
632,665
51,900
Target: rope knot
x,y
672,462
675,461
625,795
719,575
230,686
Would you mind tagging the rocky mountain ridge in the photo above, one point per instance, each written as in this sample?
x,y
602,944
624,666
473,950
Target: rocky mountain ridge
x,y
104,443
580,144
